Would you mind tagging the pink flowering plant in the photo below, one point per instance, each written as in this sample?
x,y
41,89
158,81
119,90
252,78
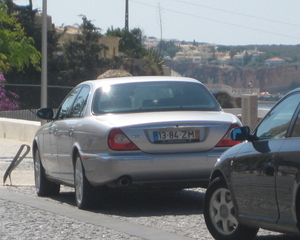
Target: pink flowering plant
x,y
8,99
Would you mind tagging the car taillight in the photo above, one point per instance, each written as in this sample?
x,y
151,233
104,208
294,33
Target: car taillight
x,y
118,141
226,141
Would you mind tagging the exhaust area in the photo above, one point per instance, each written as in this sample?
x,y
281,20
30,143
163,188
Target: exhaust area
x,y
124,181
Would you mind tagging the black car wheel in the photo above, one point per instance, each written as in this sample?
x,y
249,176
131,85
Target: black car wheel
x,y
219,214
43,186
84,191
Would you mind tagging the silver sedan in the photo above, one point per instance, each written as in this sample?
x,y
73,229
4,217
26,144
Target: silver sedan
x,y
136,132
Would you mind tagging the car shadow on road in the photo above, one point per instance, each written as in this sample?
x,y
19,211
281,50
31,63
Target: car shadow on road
x,y
144,203
155,203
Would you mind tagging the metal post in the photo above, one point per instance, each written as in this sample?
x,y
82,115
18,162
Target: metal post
x,y
249,110
44,56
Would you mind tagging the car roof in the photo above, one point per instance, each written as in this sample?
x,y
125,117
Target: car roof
x,y
294,90
134,79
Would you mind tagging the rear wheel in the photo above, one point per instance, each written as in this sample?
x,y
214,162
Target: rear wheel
x,y
43,186
84,191
219,214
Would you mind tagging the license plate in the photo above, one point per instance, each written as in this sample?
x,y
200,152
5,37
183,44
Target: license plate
x,y
178,135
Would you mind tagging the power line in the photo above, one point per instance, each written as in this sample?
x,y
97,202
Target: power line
x,y
218,21
241,14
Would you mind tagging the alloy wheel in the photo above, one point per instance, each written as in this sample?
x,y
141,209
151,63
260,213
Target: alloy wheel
x,y
222,212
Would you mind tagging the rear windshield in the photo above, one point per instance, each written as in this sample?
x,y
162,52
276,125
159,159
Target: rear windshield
x,y
153,96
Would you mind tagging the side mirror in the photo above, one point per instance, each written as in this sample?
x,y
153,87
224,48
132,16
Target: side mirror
x,y
45,113
240,134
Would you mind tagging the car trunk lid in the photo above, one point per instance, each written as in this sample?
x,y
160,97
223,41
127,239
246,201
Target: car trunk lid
x,y
171,132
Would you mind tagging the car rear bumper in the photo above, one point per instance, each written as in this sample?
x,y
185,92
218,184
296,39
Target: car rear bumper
x,y
186,170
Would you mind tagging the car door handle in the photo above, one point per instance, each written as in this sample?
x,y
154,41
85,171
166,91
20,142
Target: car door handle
x,y
269,168
54,131
71,131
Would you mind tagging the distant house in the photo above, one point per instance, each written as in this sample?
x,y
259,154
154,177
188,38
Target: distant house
x,y
69,34
254,53
112,44
151,42
189,56
275,61
238,59
198,53
224,60
38,19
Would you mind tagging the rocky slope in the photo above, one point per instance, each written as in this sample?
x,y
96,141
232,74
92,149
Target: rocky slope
x,y
272,79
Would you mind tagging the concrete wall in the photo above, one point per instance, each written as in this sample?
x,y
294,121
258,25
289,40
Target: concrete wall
x,y
18,129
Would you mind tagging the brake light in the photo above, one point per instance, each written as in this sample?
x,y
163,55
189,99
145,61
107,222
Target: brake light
x,y
226,141
117,140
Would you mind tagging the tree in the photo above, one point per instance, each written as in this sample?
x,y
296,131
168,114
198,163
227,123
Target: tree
x,y
16,50
232,53
33,29
131,42
16,53
168,48
131,45
260,60
225,100
80,58
247,58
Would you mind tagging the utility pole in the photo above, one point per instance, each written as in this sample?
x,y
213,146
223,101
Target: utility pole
x,y
126,16
44,56
44,80
160,24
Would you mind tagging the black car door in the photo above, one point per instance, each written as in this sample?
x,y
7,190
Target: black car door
x,y
254,169
288,174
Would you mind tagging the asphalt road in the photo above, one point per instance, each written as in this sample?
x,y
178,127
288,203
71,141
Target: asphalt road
x,y
124,215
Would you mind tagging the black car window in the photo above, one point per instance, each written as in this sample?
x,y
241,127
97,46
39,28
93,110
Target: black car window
x,y
296,127
80,103
277,121
67,104
154,96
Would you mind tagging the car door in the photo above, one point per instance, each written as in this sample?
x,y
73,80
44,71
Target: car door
x,y
288,172
48,150
60,138
67,133
254,168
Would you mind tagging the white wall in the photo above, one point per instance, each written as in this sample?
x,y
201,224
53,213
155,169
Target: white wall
x,y
18,129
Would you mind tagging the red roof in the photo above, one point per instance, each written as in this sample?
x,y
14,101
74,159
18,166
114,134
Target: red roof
x,y
275,59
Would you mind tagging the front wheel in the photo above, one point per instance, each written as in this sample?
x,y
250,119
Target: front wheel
x,y
42,185
219,214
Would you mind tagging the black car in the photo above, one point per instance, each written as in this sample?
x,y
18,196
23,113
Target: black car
x,y
255,184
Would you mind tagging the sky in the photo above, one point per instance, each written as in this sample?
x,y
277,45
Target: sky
x,y
223,22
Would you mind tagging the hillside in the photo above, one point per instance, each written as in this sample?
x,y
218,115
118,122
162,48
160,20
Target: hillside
x,y
271,79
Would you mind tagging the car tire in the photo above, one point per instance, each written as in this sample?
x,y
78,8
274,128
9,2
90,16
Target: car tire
x,y
84,191
43,186
219,214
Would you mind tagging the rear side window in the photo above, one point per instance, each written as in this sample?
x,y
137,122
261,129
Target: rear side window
x,y
66,106
154,96
80,103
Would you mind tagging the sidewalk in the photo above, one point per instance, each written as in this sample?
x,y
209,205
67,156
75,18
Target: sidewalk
x,y
23,173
